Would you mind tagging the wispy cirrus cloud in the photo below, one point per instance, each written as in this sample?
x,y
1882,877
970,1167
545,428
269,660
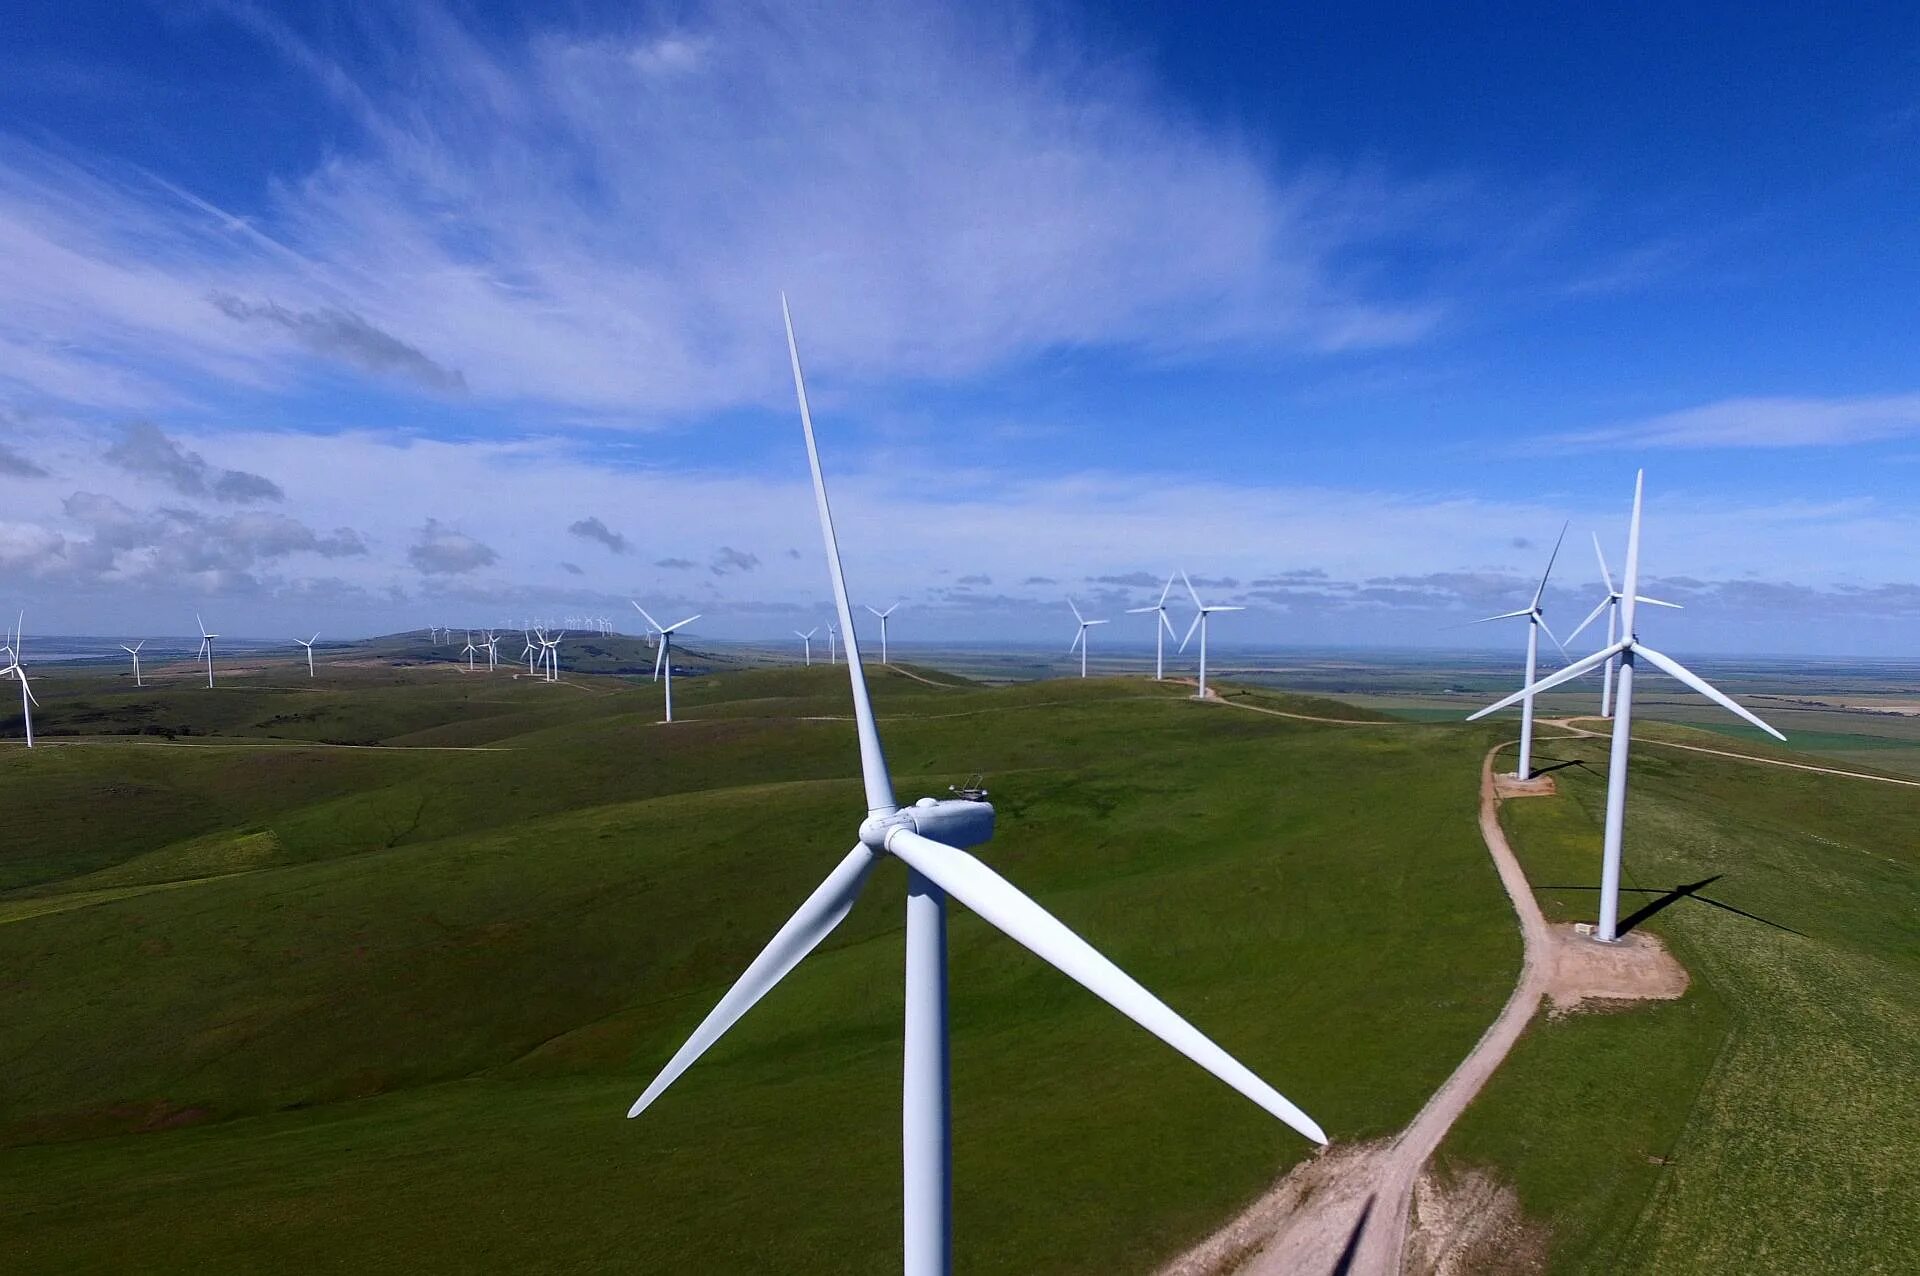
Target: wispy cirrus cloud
x,y
600,220
1764,423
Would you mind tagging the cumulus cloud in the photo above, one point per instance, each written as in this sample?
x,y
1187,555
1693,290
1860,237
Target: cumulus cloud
x,y
592,529
142,448
442,551
728,559
343,335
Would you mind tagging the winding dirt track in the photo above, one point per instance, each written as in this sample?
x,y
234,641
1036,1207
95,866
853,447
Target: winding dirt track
x,y
1572,725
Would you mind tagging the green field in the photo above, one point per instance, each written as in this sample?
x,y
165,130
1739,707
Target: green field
x,y
1767,1120
275,1002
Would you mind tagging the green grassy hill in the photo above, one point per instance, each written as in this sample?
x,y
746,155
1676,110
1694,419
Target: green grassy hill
x,y
272,1001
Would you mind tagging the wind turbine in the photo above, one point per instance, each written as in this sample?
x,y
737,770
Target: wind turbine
x,y
552,655
806,643
1080,637
206,645
663,654
134,651
1611,605
883,631
1629,649
492,644
833,652
17,670
928,837
1536,622
469,651
528,653
1200,623
308,644
1161,632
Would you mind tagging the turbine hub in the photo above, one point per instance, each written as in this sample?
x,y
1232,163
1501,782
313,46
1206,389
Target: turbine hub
x,y
954,821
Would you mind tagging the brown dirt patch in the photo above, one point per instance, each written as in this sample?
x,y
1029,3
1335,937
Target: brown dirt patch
x,y
1512,786
1472,1223
1581,971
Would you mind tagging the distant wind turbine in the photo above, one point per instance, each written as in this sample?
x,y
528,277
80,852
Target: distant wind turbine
x,y
806,643
1161,631
1080,636
16,649
1536,623
206,645
1611,605
469,651
663,655
1629,649
1200,623
134,651
929,837
833,651
883,631
308,644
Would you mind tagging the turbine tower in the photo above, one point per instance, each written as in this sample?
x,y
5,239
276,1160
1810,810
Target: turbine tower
x,y
1630,650
806,643
663,654
883,632
134,651
1080,636
1611,605
1161,631
15,648
308,644
206,645
1536,621
1200,623
929,838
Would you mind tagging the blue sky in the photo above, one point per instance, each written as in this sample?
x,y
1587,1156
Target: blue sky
x,y
366,316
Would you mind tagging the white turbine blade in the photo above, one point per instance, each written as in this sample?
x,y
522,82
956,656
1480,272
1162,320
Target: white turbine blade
x,y
1091,623
1550,557
35,700
1171,631
1592,616
681,624
873,759
1198,617
1605,575
1542,622
1076,611
1658,602
1135,611
1078,634
1191,591
1505,615
877,614
659,654
1166,589
815,920
1001,905
1225,607
1552,680
1630,583
643,613
1672,667
127,649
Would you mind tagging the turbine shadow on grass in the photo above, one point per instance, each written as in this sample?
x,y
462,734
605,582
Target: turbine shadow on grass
x,y
1560,765
1668,898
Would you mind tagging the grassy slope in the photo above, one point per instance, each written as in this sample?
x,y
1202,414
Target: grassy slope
x,y
390,1006
1766,1120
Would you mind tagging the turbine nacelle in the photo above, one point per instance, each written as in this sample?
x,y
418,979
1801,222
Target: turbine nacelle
x,y
960,822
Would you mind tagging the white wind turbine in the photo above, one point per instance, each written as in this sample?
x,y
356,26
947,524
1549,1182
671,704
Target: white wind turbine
x,y
308,644
833,650
1200,623
928,837
1629,649
1536,622
551,655
883,631
15,669
663,654
806,643
134,651
492,644
527,654
206,645
1162,631
1611,605
1080,636
469,650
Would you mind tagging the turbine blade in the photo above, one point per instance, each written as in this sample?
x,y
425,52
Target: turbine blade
x,y
1091,623
1657,602
1505,615
1078,634
815,920
873,759
1678,671
1550,557
1198,617
1592,616
1630,584
682,624
1166,589
1225,607
1076,611
643,612
1552,680
1605,575
1542,622
1001,904
1191,591
1135,611
1171,631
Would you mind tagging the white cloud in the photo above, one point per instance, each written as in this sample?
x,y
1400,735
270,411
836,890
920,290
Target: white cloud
x,y
1764,423
602,223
